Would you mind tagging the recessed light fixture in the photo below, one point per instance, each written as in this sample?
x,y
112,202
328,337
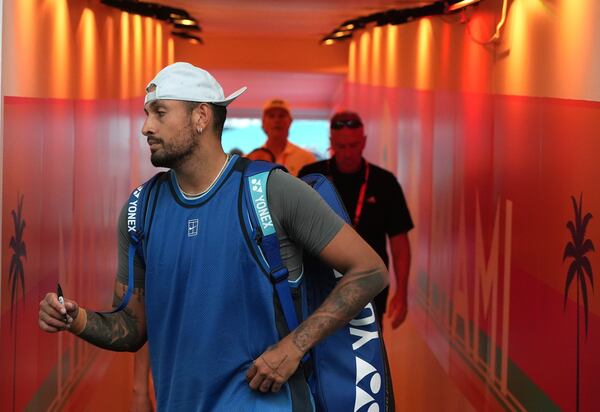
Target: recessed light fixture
x,y
394,17
180,18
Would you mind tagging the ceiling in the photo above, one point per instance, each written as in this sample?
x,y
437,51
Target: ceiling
x,y
273,48
285,18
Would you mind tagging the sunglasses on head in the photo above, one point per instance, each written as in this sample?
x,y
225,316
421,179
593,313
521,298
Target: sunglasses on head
x,y
350,124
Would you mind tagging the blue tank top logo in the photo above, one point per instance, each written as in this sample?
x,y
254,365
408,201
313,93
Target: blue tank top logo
x,y
192,227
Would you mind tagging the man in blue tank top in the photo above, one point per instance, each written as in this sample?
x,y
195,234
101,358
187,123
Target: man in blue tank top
x,y
201,299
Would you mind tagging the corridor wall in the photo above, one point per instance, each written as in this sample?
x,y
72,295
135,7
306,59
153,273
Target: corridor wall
x,y
494,143
74,74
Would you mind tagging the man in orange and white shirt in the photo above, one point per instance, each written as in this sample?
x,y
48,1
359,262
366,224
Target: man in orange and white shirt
x,y
276,122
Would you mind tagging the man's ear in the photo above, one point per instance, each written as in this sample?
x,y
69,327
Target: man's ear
x,y
202,116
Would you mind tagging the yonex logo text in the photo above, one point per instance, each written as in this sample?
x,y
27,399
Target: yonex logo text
x,y
358,327
260,204
132,209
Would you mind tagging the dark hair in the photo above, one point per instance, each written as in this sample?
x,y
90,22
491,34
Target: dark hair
x,y
219,115
345,119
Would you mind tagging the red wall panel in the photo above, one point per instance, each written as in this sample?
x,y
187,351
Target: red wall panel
x,y
491,189
70,163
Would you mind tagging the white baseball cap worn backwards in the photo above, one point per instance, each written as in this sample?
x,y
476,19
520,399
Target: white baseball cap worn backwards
x,y
184,81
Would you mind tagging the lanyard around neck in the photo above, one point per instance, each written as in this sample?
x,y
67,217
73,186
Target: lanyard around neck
x,y
361,197
361,194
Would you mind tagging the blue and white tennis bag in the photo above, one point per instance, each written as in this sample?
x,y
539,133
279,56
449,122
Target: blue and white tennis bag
x,y
349,369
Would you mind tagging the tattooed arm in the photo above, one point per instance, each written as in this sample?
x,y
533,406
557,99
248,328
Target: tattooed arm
x,y
121,331
365,275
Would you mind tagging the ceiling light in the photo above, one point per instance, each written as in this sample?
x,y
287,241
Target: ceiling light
x,y
194,27
352,25
335,37
177,16
185,22
454,5
180,18
341,33
400,16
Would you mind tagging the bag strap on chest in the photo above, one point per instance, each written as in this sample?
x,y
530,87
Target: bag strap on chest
x,y
256,175
137,206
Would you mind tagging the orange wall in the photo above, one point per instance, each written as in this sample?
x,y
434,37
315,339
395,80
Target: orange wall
x,y
73,79
80,50
490,142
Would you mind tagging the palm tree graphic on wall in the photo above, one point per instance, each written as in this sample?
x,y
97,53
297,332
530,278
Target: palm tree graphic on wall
x,y
580,269
16,276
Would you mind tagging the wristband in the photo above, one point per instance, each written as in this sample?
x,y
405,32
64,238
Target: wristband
x,y
79,323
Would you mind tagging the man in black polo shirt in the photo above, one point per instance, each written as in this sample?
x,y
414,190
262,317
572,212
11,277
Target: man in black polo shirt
x,y
374,201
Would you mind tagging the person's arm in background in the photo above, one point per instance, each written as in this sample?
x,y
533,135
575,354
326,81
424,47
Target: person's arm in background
x,y
398,223
141,400
398,306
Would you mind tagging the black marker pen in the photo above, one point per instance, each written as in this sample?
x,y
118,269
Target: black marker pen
x,y
61,299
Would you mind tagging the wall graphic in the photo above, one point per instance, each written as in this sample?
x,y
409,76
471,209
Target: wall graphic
x,y
580,269
16,275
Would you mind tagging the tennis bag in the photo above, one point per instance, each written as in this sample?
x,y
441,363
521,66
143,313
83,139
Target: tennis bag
x,y
349,369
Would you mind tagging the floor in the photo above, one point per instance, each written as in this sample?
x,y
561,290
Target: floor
x,y
420,383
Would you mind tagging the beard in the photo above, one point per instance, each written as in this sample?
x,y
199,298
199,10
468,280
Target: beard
x,y
175,153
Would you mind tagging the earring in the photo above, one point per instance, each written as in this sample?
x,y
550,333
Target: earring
x,y
199,130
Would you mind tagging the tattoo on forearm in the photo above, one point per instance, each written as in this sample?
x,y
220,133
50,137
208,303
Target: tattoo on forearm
x,y
116,331
307,334
351,294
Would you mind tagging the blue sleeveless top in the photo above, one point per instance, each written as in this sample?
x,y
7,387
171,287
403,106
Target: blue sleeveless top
x,y
209,307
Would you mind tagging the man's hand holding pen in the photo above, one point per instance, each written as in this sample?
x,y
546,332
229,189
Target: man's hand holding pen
x,y
57,313
61,299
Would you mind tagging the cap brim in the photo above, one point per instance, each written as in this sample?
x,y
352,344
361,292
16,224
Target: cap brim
x,y
231,97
